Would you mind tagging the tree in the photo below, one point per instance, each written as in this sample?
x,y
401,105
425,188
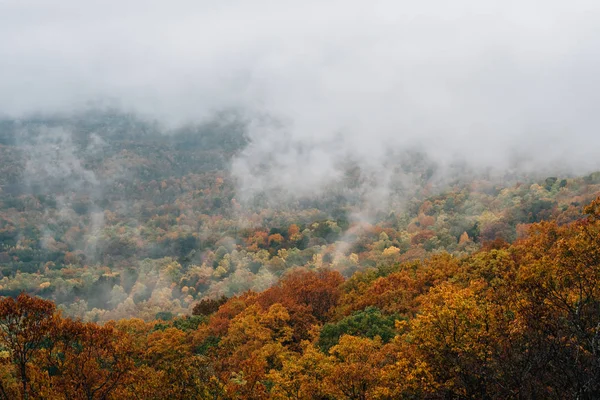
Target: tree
x,y
319,290
368,323
253,345
356,367
25,325
460,333
302,377
208,306
88,361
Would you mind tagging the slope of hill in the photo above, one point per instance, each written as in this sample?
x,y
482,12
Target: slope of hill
x,y
110,216
508,321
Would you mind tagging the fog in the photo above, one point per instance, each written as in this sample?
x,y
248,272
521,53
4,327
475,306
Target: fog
x,y
506,85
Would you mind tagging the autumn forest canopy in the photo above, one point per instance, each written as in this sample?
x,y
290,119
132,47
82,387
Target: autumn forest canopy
x,y
134,263
329,200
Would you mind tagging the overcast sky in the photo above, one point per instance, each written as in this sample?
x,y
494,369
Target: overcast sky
x,y
476,78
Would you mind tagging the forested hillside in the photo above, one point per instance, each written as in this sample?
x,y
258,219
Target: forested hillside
x,y
507,321
111,216
339,200
132,267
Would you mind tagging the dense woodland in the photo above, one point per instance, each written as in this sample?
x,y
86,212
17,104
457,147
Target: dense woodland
x,y
131,267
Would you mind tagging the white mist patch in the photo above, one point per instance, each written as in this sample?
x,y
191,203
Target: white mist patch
x,y
52,160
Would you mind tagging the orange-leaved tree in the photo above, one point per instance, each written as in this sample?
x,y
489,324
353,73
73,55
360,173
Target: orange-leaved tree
x,y
25,325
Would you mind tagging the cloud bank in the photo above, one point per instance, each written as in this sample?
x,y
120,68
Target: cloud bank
x,y
485,82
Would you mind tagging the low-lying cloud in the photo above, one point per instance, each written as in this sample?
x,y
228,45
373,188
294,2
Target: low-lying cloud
x,y
502,84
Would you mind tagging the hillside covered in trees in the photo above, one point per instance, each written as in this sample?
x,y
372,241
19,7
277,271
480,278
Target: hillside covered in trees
x,y
325,200
132,266
507,321
110,216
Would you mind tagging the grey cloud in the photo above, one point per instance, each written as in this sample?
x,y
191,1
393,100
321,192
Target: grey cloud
x,y
483,81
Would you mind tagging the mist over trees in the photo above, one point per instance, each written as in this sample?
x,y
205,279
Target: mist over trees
x,y
335,200
113,216
136,260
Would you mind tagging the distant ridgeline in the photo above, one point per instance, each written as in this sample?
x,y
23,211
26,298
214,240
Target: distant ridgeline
x,y
111,216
